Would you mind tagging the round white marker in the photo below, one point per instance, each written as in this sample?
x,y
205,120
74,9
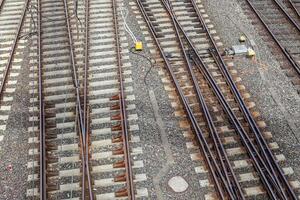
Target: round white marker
x,y
178,184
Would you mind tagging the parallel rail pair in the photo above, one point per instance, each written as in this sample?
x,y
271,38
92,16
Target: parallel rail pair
x,y
293,21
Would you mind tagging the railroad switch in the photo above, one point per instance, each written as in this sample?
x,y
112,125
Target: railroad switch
x,y
250,52
138,46
242,38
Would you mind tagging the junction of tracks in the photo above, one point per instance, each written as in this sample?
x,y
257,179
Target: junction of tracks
x,y
149,99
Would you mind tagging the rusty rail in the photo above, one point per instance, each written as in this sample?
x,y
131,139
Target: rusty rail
x,y
130,190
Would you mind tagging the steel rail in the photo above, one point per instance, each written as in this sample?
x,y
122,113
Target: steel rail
x,y
86,110
262,144
283,49
294,8
73,68
42,131
239,128
90,189
80,113
86,61
13,49
124,126
82,151
239,98
287,15
235,188
84,154
211,162
258,165
234,89
267,154
274,179
78,103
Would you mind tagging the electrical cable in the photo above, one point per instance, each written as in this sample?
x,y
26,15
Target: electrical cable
x,y
132,49
150,60
126,27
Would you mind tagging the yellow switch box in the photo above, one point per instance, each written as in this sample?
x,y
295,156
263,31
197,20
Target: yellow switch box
x,y
138,46
242,38
250,52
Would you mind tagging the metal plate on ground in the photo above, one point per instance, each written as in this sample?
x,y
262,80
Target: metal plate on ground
x,y
239,49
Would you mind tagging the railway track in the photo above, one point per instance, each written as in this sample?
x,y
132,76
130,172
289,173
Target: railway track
x,y
84,127
83,114
14,22
292,9
281,21
216,111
